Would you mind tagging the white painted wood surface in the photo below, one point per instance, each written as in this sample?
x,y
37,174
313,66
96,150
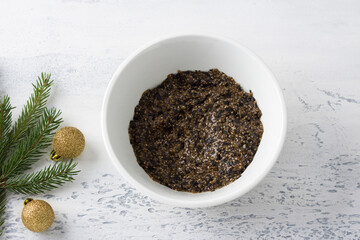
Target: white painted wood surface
x,y
313,47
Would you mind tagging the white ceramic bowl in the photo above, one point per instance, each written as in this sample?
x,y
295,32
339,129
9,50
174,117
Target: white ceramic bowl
x,y
149,66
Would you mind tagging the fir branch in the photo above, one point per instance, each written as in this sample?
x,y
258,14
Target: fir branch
x,y
44,180
5,126
32,110
2,208
29,149
5,117
24,143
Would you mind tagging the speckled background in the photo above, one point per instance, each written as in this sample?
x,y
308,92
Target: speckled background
x,y
313,48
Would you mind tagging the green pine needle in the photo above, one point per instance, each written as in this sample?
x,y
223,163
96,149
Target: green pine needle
x,y
44,180
29,149
32,110
2,208
22,144
5,127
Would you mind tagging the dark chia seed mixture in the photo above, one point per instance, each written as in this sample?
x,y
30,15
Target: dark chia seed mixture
x,y
197,131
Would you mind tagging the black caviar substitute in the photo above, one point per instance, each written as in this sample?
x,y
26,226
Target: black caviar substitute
x,y
197,131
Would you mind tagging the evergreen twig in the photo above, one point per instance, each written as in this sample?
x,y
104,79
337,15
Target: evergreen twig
x,y
5,127
2,208
32,110
23,144
44,180
29,149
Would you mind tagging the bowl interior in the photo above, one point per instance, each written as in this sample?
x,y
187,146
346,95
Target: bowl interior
x,y
149,66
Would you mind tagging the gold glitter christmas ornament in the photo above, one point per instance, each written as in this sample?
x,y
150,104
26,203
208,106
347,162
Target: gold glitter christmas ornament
x,y
37,215
68,142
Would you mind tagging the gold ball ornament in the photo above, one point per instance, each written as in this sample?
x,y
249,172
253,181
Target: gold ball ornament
x,y
37,215
68,142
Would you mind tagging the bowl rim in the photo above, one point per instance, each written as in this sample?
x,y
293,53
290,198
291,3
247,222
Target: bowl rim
x,y
171,201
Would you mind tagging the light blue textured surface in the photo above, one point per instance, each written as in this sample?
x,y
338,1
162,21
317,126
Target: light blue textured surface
x,y
313,48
